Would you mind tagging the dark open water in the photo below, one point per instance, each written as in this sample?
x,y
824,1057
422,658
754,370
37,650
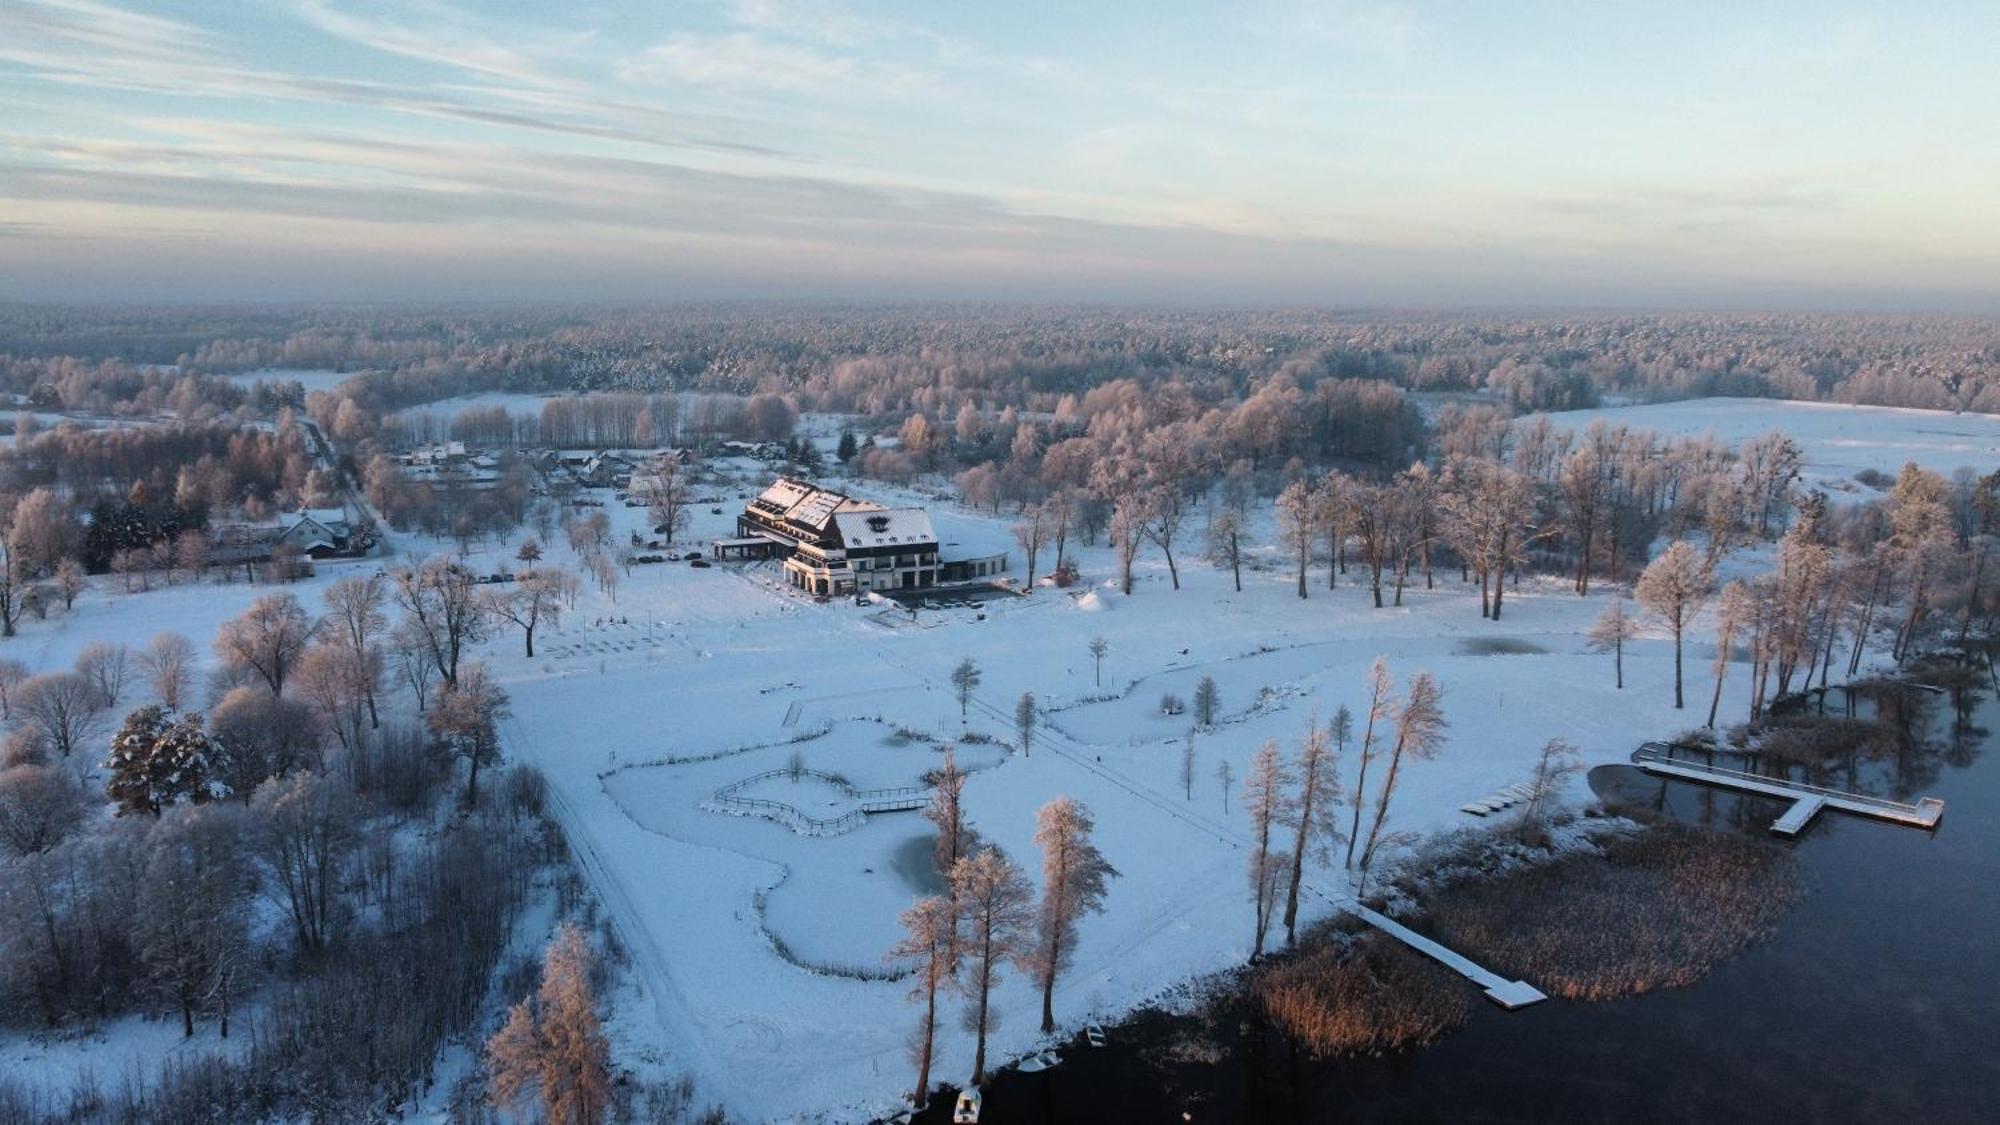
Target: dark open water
x,y
1878,1000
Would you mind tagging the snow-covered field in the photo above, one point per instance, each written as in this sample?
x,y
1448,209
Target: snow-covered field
x,y
637,708
313,379
1839,440
725,666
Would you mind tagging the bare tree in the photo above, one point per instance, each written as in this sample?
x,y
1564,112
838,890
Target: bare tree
x,y
667,496
13,673
991,898
1299,523
1420,730
65,708
1554,766
1224,777
1315,831
305,832
168,661
355,619
71,581
1024,721
442,612
1609,633
107,666
464,720
537,596
1098,648
267,639
191,920
1187,766
927,945
1074,875
964,681
1225,543
1030,532
554,1046
39,806
1674,587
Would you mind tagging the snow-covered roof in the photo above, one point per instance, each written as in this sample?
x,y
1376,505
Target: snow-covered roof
x,y
325,517
885,528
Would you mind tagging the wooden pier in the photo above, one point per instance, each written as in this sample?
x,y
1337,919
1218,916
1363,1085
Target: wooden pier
x,y
1807,800
1509,994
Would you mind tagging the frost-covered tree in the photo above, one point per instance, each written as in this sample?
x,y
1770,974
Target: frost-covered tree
x,y
1381,703
553,1047
1030,533
64,709
191,919
168,662
1609,633
1298,524
991,898
1225,543
305,832
1420,728
1554,766
39,806
926,946
1314,828
1187,766
946,812
1074,877
536,597
964,681
355,620
1266,798
1733,613
267,639
464,719
107,666
1674,587
442,612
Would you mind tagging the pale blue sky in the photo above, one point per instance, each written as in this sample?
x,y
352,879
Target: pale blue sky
x,y
1688,154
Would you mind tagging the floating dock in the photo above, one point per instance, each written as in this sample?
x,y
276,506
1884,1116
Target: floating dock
x,y
1807,800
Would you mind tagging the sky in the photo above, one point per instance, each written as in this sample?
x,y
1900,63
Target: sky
x,y
1303,152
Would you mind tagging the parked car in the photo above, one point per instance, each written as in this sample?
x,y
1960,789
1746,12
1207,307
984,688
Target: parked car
x,y
701,564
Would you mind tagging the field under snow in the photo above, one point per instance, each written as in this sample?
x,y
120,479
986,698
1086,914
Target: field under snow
x,y
1839,440
639,708
699,678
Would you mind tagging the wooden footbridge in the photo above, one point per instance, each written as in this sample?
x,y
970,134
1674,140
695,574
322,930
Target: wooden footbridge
x,y
1807,800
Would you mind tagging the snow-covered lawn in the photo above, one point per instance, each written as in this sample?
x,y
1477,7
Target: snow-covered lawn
x,y
1839,440
639,708
726,667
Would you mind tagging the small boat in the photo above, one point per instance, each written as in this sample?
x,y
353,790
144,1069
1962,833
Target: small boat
x,y
1475,808
1094,1035
967,1110
1039,1061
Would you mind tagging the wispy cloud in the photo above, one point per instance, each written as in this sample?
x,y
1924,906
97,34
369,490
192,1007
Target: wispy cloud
x,y
745,61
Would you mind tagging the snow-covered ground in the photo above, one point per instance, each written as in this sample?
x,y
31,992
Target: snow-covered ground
x,y
1839,440
313,379
727,667
637,708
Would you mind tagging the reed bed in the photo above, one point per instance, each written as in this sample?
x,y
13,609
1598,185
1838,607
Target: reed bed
x,y
1657,910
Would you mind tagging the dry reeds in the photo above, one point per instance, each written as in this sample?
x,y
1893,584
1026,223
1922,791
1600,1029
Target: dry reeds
x,y
1657,910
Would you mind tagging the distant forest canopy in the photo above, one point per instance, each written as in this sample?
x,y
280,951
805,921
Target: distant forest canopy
x,y
935,359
